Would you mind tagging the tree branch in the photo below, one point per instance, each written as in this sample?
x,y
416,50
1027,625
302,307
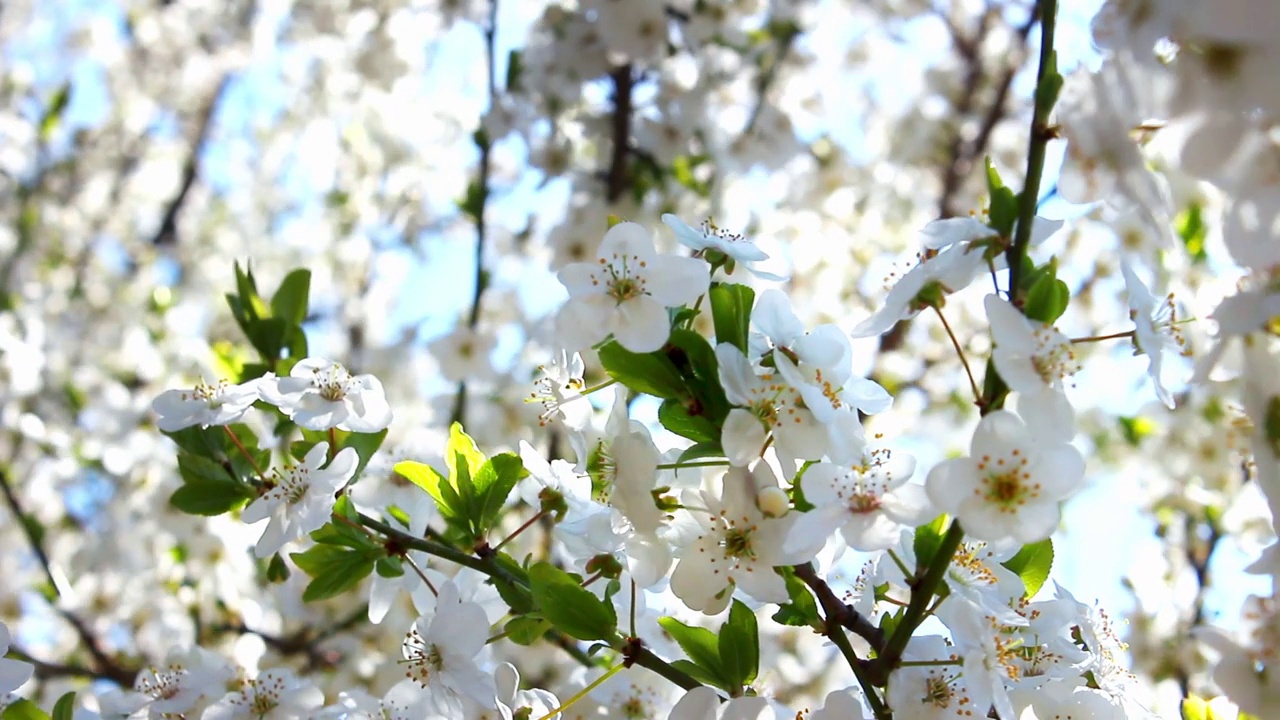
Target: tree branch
x,y
618,179
167,233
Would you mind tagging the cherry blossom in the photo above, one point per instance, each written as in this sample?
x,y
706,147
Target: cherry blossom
x,y
320,394
222,403
626,292
1011,484
299,499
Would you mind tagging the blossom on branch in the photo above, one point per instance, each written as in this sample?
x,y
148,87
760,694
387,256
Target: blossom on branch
x,y
300,498
626,292
1011,484
320,394
219,404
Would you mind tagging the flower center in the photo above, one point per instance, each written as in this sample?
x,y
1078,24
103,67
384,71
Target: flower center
x,y
210,394
1006,483
162,685
1054,358
737,543
937,692
333,383
423,660
622,278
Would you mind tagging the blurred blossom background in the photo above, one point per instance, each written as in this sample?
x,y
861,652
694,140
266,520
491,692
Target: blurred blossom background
x,y
434,163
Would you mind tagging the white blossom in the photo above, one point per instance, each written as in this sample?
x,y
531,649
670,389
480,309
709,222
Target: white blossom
x,y
299,499
1011,484
626,292
319,394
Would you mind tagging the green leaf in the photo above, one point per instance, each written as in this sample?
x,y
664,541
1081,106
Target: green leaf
x,y
1003,210
65,708
927,539
679,419
568,606
731,313
515,68
196,469
493,484
696,360
1047,296
1050,85
332,533
52,115
1192,231
205,442
739,645
1136,428
290,301
802,611
277,570
334,569
462,449
515,595
23,709
472,204
526,630
1032,563
390,566
651,373
702,647
209,498
435,485
701,450
697,673
1195,708
366,444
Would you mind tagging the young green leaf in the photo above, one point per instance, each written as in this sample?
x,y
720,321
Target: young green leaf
x,y
568,606
334,569
652,373
1032,563
731,313
703,649
739,645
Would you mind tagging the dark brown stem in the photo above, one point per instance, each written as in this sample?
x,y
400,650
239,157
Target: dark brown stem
x,y
618,179
167,233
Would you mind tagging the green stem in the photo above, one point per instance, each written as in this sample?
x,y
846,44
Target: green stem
x,y
922,592
701,463
1036,144
1100,338
583,693
244,451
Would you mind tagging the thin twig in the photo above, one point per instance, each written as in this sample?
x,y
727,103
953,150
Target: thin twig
x,y
486,146
167,233
955,342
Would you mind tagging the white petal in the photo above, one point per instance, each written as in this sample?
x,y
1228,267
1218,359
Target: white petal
x,y
675,281
641,324
627,240
742,437
1048,413
950,482
812,529
583,322
774,317
951,231
579,279
908,505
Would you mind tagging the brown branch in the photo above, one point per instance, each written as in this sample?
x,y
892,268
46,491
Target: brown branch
x,y
167,233
482,140
618,178
839,611
107,667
